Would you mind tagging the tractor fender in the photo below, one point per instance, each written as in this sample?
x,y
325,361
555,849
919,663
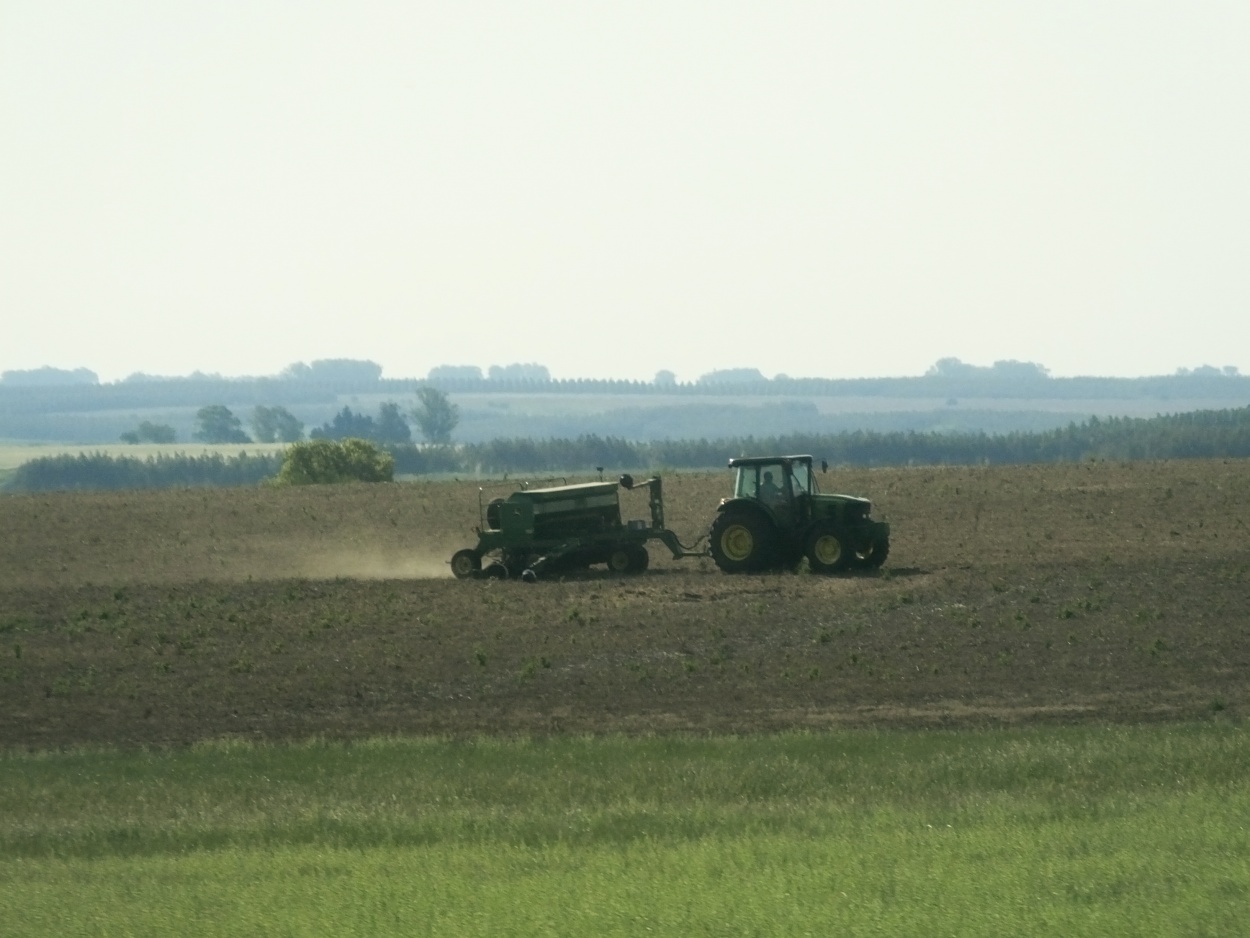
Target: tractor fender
x,y
746,505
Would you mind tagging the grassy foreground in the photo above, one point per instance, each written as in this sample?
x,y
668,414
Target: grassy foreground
x,y
1089,830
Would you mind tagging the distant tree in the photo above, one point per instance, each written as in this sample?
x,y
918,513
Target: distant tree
x,y
733,376
950,368
263,430
517,372
296,371
289,428
325,462
218,425
48,377
455,373
665,379
346,424
276,425
391,427
149,432
334,371
1008,369
436,416
1020,371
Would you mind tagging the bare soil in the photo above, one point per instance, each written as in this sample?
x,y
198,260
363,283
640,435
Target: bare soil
x,y
1094,592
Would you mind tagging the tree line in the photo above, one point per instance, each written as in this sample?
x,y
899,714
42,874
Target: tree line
x,y
434,414
1201,434
68,472
47,389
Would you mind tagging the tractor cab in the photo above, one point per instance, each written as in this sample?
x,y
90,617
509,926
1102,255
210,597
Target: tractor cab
x,y
784,485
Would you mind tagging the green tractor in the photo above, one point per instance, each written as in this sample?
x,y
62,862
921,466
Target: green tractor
x,y
777,517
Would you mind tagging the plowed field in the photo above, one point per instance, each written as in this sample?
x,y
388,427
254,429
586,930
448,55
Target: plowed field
x,y
1098,592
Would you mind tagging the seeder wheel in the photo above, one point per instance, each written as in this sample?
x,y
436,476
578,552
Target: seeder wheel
x,y
465,563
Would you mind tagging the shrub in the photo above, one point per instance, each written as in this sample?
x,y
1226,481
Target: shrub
x,y
324,462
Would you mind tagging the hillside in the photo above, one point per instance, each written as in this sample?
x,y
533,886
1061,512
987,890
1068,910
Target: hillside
x,y
1008,397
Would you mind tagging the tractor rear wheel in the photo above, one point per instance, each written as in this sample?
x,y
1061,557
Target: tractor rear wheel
x,y
742,542
826,551
465,563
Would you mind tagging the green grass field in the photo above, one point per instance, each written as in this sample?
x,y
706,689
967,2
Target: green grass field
x,y
1055,831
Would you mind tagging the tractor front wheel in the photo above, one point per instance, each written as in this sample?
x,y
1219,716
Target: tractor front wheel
x,y
826,551
741,542
465,563
874,556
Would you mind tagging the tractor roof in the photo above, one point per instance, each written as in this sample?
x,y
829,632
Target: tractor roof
x,y
766,460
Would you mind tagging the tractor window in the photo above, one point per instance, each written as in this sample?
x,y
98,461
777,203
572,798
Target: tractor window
x,y
801,475
748,482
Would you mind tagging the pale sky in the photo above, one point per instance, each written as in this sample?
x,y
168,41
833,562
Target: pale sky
x,y
609,189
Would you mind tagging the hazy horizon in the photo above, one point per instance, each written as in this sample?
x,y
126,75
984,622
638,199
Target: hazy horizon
x,y
681,379
836,190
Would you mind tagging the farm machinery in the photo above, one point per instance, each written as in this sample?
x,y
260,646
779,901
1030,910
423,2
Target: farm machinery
x,y
775,518
534,532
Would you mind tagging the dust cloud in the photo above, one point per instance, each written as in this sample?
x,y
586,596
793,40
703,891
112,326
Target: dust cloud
x,y
372,565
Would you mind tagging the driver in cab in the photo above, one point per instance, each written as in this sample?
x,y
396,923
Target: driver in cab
x,y
770,491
